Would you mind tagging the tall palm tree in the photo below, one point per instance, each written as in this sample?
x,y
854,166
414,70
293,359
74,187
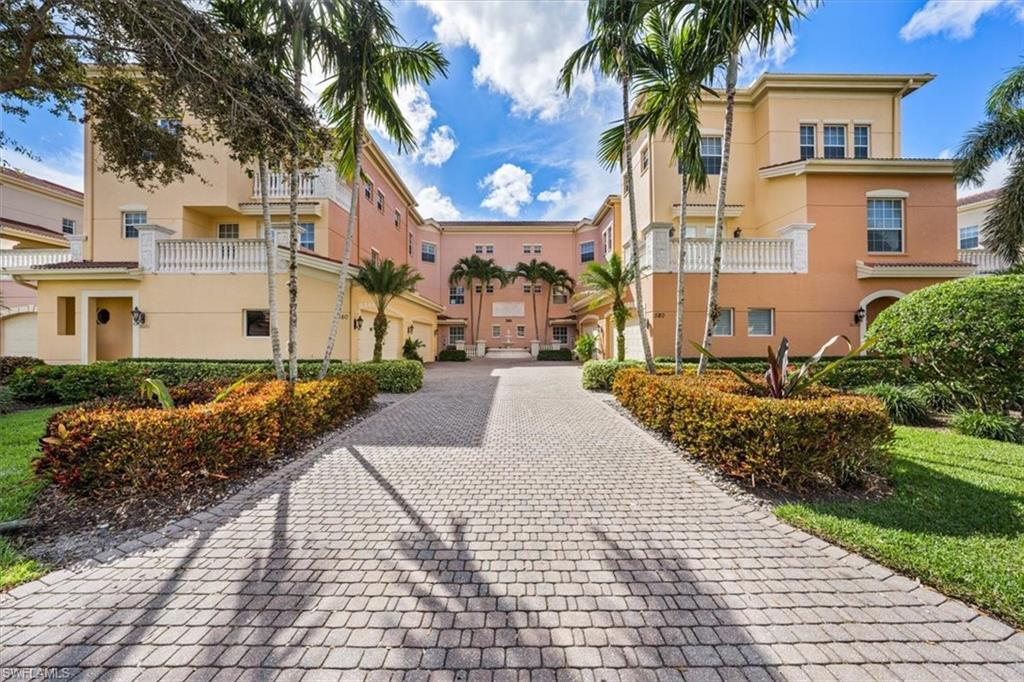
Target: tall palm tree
x,y
1000,134
465,273
488,271
669,79
368,65
385,281
608,283
557,279
532,273
615,42
725,27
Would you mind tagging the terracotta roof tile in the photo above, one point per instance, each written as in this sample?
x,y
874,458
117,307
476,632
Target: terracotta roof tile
x,y
980,196
919,264
87,265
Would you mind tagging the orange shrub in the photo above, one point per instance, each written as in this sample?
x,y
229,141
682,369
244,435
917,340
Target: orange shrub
x,y
824,440
114,447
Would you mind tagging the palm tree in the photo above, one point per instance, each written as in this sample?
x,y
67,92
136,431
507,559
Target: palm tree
x,y
368,66
557,280
725,27
615,27
465,273
385,281
605,283
532,273
1000,134
669,79
488,271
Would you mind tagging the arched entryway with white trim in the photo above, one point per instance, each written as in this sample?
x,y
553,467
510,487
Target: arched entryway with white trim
x,y
874,303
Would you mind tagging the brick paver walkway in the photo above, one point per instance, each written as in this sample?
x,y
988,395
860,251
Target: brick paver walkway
x,y
500,520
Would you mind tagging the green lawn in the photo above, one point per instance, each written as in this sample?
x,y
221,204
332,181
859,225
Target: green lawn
x,y
955,518
18,447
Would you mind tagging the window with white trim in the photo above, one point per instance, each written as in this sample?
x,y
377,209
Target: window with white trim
x,y
495,331
861,141
834,141
398,218
521,331
456,335
560,334
488,248
808,140
536,248
257,323
527,288
538,288
307,236
970,237
456,295
412,243
885,225
227,231
606,240
129,220
586,252
368,189
711,154
723,327
374,256
645,160
488,289
380,200
559,296
67,225
428,252
761,322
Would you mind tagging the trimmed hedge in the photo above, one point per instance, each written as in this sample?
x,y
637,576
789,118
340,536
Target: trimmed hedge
x,y
10,363
560,355
116,447
827,440
598,375
56,384
452,355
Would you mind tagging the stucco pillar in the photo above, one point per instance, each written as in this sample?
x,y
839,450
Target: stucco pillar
x,y
797,233
77,244
657,247
281,235
481,348
534,347
149,235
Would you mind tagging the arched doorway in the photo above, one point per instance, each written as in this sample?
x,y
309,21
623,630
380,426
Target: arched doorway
x,y
875,303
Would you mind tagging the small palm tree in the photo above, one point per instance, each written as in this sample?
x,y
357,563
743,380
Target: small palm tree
x,y
557,279
465,273
532,273
1000,134
614,47
367,66
385,281
488,271
605,283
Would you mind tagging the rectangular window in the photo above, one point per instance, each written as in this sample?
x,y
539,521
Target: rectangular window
x,y
495,331
380,200
456,295
412,243
227,231
559,296
478,248
428,252
970,237
885,225
374,256
560,334
527,248
257,323
538,288
489,248
761,322
536,248
307,236
808,133
129,219
65,315
711,154
527,288
398,217
456,335
67,226
586,252
724,325
861,142
606,240
489,289
368,189
521,331
835,142
645,160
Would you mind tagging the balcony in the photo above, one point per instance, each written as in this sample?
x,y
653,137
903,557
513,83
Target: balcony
x,y
210,255
319,183
986,261
17,259
750,256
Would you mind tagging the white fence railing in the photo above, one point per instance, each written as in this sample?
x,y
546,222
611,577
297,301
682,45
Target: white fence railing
x,y
738,255
987,261
210,255
321,183
16,259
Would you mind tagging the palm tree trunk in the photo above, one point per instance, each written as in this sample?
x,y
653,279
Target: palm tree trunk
x,y
350,230
469,296
723,178
536,327
634,234
270,252
684,182
380,330
480,308
547,315
293,222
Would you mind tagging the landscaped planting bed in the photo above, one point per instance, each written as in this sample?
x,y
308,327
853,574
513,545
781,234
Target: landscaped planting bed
x,y
821,440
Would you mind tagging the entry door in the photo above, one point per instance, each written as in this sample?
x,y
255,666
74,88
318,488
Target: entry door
x,y
112,323
634,343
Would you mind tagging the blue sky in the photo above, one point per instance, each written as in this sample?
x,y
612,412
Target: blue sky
x,y
498,141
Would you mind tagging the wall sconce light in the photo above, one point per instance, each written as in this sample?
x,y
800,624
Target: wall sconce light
x,y
138,317
410,329
737,233
859,316
357,323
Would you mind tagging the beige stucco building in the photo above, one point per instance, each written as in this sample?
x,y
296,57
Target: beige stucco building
x,y
971,212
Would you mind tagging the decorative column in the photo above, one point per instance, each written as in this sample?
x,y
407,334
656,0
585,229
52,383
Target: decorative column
x,y
77,244
797,233
657,247
149,235
534,347
280,255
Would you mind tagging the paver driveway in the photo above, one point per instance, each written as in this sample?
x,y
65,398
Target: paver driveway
x,y
499,520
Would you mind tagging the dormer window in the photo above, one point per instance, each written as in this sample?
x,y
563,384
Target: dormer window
x,y
835,141
808,135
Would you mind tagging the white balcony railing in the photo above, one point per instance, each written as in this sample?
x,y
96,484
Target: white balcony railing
x,y
320,183
738,256
985,260
17,259
210,255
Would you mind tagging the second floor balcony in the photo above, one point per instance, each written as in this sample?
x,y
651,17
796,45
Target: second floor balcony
x,y
986,262
17,259
318,183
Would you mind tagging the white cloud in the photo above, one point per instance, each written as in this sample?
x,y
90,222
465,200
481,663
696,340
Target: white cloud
x,y
64,168
521,47
946,153
994,178
753,63
509,190
433,204
954,19
440,147
551,195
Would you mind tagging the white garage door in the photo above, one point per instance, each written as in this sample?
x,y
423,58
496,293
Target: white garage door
x,y
634,344
392,342
423,332
18,335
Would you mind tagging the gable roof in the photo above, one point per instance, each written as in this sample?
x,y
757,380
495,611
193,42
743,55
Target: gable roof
x,y
978,197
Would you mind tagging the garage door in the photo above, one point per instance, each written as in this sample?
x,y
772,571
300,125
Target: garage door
x,y
392,342
634,344
422,331
18,335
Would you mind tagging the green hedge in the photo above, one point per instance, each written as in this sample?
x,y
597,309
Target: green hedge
x,y
452,355
562,354
10,363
